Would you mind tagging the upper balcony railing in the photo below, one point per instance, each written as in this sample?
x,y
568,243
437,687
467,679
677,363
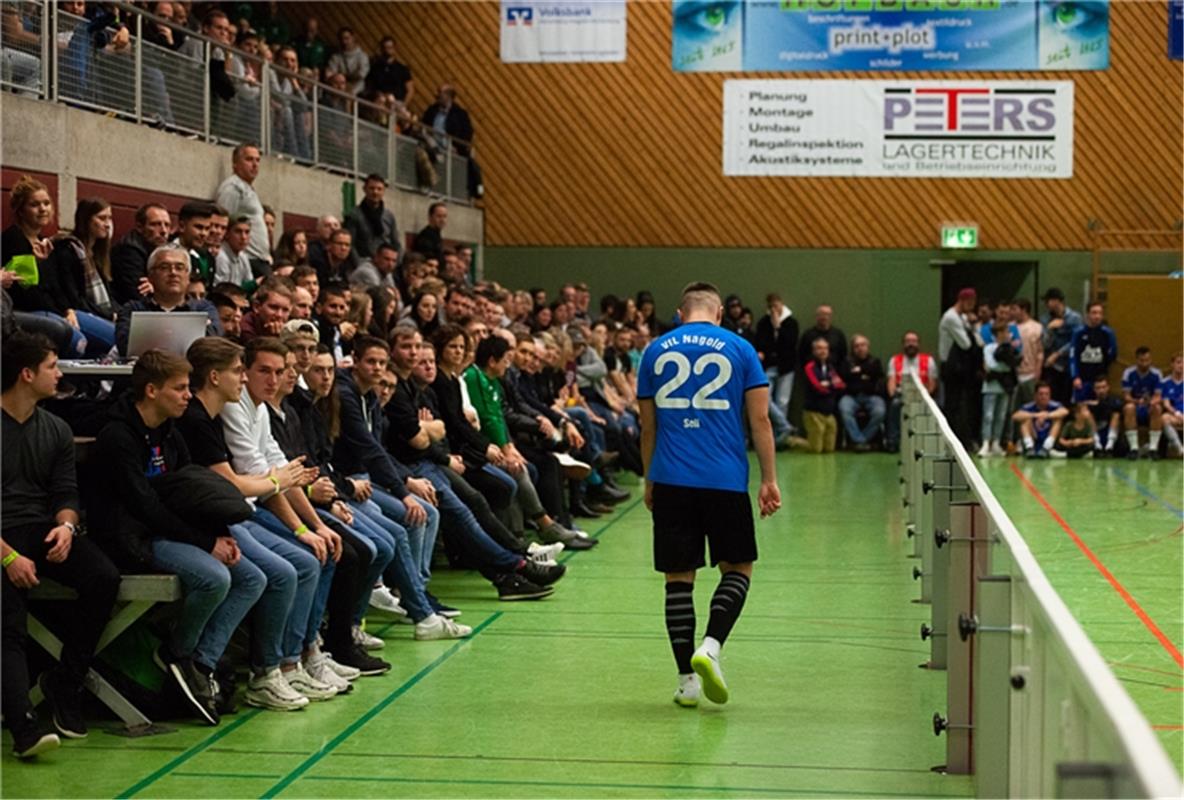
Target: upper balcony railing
x,y
121,65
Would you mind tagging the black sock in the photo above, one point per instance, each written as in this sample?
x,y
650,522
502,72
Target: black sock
x,y
726,604
680,622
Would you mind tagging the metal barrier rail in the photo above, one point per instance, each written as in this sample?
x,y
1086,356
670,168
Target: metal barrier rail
x,y
1032,709
286,114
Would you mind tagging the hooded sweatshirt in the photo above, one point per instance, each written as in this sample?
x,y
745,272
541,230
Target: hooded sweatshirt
x,y
779,348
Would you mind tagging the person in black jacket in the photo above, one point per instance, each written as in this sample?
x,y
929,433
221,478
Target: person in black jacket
x,y
446,115
82,263
129,258
40,523
137,447
864,375
776,346
429,240
388,74
823,327
371,223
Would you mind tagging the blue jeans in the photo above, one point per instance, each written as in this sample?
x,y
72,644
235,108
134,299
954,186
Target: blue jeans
x,y
312,584
421,537
873,405
462,527
994,416
593,434
780,391
400,567
892,423
99,333
217,597
79,346
275,606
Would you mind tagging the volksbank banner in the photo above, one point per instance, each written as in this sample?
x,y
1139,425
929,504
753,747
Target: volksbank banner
x,y
899,129
563,31
929,35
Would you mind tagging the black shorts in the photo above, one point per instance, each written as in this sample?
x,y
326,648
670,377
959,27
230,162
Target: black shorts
x,y
684,517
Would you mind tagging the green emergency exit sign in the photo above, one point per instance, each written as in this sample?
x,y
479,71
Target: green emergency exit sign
x,y
959,237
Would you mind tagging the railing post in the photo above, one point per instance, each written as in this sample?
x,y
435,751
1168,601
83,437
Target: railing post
x,y
354,122
265,107
49,49
316,118
206,103
448,170
993,687
138,65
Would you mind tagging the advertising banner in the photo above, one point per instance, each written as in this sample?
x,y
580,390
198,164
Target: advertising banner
x,y
899,129
879,35
562,31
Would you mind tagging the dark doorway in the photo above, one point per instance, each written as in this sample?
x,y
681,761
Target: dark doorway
x,y
995,281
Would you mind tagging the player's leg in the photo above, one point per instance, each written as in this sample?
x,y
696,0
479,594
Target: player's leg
x,y
678,553
1155,413
1130,425
1171,425
733,549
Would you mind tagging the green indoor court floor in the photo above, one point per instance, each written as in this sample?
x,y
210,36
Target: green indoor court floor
x,y
571,696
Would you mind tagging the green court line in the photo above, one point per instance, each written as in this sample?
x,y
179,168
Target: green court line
x,y
333,743
584,785
236,775
567,556
188,754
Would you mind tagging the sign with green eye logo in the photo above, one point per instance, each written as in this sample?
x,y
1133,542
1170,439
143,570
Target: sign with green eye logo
x,y
959,237
879,35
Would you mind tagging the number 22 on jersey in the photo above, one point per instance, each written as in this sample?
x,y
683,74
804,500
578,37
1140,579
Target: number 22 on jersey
x,y
702,399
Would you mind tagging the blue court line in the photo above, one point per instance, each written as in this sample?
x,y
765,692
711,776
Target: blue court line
x,y
333,743
188,754
1143,490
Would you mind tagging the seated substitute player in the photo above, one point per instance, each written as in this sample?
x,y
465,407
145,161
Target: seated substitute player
x,y
1171,390
1040,422
695,384
1107,413
1141,404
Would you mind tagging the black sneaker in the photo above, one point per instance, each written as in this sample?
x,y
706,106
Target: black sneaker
x,y
65,704
197,687
515,587
357,657
580,543
225,688
606,495
539,574
30,740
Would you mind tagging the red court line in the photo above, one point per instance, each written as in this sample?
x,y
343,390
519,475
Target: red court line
x,y
1167,727
1173,651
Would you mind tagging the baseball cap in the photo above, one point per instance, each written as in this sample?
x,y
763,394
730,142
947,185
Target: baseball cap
x,y
296,328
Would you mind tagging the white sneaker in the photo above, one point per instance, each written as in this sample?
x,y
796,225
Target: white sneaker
x,y
687,695
984,451
705,662
1055,453
300,680
998,450
317,666
271,691
381,599
365,640
549,551
573,469
342,670
437,627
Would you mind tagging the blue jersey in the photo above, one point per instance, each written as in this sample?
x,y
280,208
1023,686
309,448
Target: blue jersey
x,y
697,375
1041,428
1141,385
1173,392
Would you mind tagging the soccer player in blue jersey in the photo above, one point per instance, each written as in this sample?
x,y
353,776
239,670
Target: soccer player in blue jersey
x,y
1171,390
695,386
1040,422
1141,398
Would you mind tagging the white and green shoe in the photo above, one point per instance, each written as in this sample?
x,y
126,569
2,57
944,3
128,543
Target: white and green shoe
x,y
687,695
705,662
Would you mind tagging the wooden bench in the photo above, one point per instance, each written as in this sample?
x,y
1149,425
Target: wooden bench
x,y
137,595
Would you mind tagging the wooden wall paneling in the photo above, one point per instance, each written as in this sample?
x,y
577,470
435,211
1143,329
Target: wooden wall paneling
x,y
630,154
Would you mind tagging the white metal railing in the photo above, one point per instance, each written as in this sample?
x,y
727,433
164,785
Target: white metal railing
x,y
58,57
1033,710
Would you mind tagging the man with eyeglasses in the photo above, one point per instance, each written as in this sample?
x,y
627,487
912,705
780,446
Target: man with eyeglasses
x,y
168,272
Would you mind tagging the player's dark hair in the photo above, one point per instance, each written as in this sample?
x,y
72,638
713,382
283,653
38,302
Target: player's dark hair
x,y
491,348
22,350
1142,350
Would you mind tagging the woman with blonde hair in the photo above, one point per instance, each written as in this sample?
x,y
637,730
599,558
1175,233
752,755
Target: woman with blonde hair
x,y
28,277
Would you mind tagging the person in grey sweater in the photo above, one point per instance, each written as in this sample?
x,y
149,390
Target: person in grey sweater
x,y
350,61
